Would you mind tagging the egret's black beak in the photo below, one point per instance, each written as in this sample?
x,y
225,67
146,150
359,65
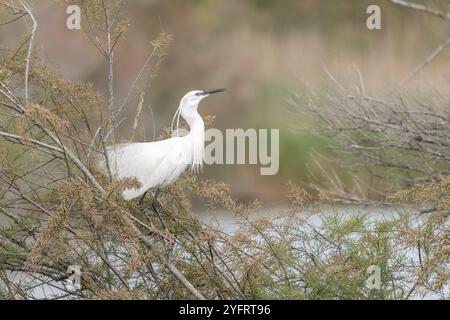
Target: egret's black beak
x,y
208,92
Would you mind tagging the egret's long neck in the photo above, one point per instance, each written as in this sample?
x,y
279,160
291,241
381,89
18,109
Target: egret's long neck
x,y
195,122
197,139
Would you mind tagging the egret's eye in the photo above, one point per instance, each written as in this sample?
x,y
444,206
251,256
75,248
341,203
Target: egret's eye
x,y
198,94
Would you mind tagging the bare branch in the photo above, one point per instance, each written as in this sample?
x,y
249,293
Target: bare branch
x,y
30,48
429,59
36,142
138,76
421,7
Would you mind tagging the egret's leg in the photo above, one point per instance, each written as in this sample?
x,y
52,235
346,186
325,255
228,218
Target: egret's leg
x,y
154,202
142,205
141,201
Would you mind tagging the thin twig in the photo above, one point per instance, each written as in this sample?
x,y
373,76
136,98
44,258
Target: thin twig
x,y
433,55
21,139
421,7
174,270
30,48
138,76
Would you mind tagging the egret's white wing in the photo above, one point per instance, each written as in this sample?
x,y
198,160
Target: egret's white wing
x,y
154,164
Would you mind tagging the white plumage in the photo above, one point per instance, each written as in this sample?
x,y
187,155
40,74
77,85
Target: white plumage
x,y
160,163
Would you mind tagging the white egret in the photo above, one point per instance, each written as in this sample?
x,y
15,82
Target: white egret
x,y
160,163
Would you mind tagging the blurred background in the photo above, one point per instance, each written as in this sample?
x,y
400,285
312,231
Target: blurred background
x,y
261,50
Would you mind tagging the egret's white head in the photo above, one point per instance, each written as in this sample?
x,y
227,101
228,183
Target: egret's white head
x,y
189,103
192,99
